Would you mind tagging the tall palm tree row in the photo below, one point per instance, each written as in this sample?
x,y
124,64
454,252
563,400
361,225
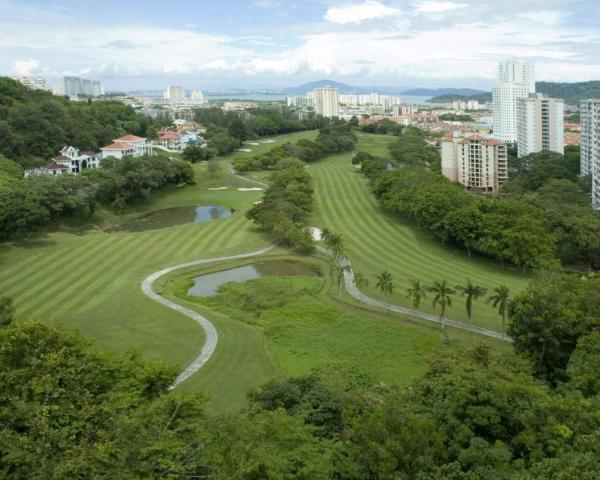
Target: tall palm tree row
x,y
442,299
385,283
471,292
417,291
499,299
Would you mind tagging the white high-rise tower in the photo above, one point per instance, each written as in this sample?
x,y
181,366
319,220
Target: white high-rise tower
x,y
327,101
516,79
590,145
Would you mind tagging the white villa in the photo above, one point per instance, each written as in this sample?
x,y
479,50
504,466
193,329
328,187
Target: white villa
x,y
70,160
127,145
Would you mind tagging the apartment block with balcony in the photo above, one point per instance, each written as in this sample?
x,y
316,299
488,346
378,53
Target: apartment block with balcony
x,y
476,161
590,145
540,124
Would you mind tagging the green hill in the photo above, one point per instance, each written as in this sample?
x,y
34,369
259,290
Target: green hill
x,y
571,93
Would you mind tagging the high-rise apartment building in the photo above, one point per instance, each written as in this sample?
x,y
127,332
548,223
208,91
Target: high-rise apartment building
x,y
540,124
590,145
197,97
515,80
175,94
475,161
326,101
72,86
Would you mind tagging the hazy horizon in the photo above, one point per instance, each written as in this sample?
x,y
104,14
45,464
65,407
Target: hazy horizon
x,y
268,44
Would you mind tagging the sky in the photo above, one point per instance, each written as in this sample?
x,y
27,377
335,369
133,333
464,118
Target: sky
x,y
266,44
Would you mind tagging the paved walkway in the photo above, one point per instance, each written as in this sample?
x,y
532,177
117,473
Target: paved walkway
x,y
354,292
210,331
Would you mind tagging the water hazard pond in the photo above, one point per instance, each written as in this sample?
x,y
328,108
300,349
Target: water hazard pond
x,y
207,285
173,216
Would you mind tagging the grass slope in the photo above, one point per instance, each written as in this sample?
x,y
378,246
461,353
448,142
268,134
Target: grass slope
x,y
377,240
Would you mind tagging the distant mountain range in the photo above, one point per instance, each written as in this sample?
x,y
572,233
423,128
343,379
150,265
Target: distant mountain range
x,y
400,90
571,93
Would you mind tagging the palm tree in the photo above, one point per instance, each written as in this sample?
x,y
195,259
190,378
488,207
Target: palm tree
x,y
417,291
336,272
471,292
360,280
499,299
441,297
385,283
325,235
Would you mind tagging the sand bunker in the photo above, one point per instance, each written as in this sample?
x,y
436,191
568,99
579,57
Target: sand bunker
x,y
251,189
244,150
268,141
253,143
218,188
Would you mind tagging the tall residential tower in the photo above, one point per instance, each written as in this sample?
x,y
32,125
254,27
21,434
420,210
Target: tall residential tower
x,y
540,124
515,80
326,101
590,145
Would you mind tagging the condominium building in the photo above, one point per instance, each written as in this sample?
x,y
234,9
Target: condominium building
x,y
540,124
475,161
74,86
590,145
35,83
404,109
326,101
197,97
515,80
175,94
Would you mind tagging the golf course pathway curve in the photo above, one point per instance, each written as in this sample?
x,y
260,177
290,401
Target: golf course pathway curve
x,y
210,331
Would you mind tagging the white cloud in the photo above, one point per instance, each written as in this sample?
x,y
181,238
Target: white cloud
x,y
547,17
360,12
24,67
438,6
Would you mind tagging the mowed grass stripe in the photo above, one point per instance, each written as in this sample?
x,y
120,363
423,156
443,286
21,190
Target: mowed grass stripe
x,y
73,281
378,229
112,272
40,277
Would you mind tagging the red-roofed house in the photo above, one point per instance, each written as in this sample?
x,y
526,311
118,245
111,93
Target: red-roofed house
x,y
169,139
127,145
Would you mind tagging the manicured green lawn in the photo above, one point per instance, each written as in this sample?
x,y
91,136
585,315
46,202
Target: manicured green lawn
x,y
378,240
92,282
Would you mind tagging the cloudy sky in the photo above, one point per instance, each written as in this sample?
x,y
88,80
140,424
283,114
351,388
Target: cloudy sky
x,y
211,44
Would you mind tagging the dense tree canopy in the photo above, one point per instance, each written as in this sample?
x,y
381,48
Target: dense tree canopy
x,y
35,125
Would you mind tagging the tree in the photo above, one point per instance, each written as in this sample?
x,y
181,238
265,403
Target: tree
x,y
442,298
471,292
195,154
7,311
336,272
214,167
499,299
417,291
385,283
360,280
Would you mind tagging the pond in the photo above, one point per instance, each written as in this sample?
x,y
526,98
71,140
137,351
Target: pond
x,y
168,217
207,285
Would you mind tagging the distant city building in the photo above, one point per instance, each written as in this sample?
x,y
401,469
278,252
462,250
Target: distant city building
x,y
300,102
404,109
327,101
515,80
590,145
35,83
475,161
540,124
238,106
75,86
373,99
465,105
198,97
127,145
175,94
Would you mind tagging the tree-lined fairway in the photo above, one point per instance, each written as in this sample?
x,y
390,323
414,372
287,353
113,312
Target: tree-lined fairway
x,y
377,240
92,281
